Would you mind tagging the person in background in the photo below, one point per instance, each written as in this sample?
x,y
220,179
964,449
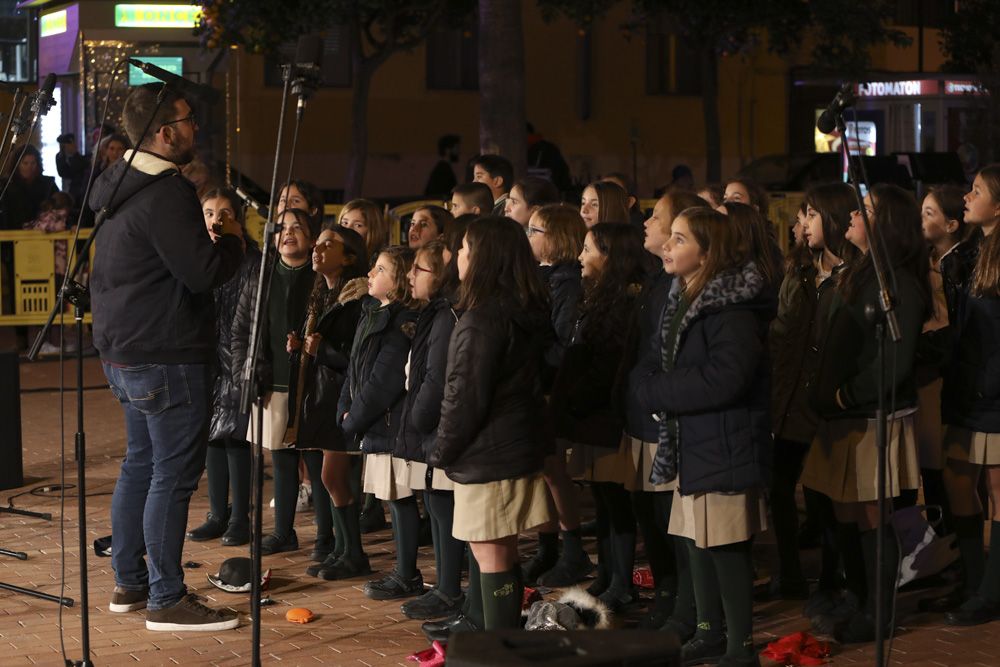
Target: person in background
x,y
475,198
29,187
442,178
636,215
72,166
713,193
745,191
498,173
546,161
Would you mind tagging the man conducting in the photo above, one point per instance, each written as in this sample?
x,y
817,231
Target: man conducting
x,y
154,270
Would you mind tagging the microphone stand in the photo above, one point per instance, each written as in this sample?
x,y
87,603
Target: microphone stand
x,y
18,94
884,316
78,295
250,396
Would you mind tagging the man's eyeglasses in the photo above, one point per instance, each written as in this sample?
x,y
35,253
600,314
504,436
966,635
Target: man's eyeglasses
x,y
190,118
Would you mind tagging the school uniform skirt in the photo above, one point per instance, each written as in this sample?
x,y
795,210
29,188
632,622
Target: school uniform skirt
x,y
413,474
276,433
381,478
717,519
842,460
601,464
642,455
976,447
494,510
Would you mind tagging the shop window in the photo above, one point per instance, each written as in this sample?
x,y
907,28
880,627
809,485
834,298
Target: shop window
x,y
932,13
336,66
672,66
453,59
17,61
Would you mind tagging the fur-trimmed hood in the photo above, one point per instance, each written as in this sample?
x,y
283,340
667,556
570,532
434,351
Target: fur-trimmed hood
x,y
575,610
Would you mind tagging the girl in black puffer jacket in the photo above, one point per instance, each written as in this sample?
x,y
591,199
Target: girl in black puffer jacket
x,y
433,279
372,397
227,463
490,438
709,392
583,409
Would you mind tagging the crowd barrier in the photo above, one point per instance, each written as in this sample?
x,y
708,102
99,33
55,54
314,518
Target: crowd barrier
x,y
29,282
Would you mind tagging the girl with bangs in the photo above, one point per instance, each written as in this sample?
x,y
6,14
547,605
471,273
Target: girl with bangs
x,y
604,201
582,405
490,438
841,463
366,218
709,389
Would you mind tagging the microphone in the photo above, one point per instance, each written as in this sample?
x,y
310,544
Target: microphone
x,y
185,87
828,119
251,202
41,102
308,63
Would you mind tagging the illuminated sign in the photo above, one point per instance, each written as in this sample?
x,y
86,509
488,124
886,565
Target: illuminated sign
x,y
52,24
173,64
157,16
897,88
962,88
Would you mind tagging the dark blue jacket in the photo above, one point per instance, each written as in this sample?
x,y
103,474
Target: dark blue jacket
x,y
373,392
425,381
639,423
971,393
565,292
719,387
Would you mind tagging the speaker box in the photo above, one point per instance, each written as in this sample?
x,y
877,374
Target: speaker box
x,y
12,468
581,648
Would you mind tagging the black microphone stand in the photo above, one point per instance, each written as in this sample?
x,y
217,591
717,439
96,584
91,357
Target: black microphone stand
x,y
78,295
884,316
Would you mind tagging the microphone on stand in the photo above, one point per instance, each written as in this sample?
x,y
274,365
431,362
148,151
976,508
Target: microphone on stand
x,y
308,64
185,87
251,202
41,102
827,122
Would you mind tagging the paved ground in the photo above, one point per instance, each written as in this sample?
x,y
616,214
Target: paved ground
x,y
349,629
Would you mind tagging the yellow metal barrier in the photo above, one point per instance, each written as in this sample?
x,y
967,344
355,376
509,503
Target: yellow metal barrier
x,y
31,284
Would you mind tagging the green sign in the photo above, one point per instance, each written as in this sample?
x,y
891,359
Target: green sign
x,y
173,64
157,16
52,24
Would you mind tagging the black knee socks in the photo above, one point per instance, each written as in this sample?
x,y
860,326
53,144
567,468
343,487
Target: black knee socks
x,y
473,608
286,489
969,531
684,612
548,547
322,507
349,519
784,510
238,458
406,533
217,471
821,507
502,593
734,571
849,545
989,589
448,551
605,557
622,534
706,590
890,566
935,494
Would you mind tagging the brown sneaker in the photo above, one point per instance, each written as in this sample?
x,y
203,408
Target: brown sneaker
x,y
123,600
191,616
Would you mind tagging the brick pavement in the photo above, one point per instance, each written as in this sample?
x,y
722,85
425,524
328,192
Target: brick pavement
x,y
349,629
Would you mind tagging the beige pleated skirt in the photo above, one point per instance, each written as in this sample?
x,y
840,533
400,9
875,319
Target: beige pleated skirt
x,y
380,478
494,510
842,459
413,474
716,519
643,454
927,426
962,444
276,435
601,464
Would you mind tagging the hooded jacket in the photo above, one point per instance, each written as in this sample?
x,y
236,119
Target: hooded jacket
x,y
425,381
491,416
155,266
718,388
373,392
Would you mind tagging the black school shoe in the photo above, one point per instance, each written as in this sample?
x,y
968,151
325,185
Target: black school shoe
x,y
860,629
440,631
236,535
212,529
432,604
538,565
704,647
566,573
394,587
346,568
322,548
975,611
314,569
276,544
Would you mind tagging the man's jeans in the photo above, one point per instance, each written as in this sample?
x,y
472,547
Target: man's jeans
x,y
167,408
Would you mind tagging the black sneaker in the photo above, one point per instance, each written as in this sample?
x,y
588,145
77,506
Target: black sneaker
x,y
441,630
236,535
704,647
394,587
123,600
566,573
212,529
276,544
346,568
975,611
190,615
432,604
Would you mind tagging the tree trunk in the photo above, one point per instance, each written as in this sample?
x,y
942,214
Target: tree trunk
x,y
710,106
361,84
501,82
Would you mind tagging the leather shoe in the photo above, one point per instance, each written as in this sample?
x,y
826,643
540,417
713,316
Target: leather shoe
x,y
441,630
975,611
237,534
703,648
276,544
394,587
346,568
212,529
